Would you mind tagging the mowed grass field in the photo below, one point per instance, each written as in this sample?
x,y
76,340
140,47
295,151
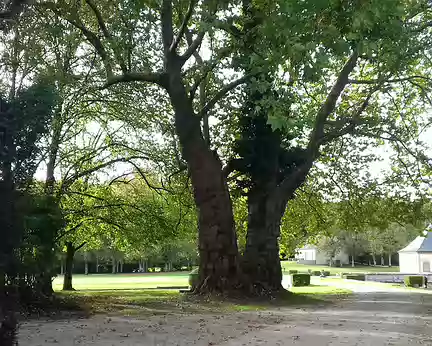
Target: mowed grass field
x,y
124,281
177,279
286,265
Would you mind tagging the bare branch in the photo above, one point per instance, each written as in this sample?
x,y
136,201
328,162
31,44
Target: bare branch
x,y
67,182
151,77
221,93
396,80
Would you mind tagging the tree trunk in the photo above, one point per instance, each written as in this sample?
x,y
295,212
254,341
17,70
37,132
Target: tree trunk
x,y
353,260
390,259
374,260
61,267
219,266
67,280
261,262
382,261
114,265
121,266
97,264
86,267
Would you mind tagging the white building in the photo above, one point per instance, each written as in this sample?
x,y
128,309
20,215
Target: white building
x,y
416,257
310,254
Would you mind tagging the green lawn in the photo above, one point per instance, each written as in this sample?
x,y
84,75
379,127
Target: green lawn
x,y
124,281
335,270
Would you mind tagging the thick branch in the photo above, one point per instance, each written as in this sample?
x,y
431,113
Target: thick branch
x,y
99,18
91,37
329,105
167,25
69,231
193,46
80,246
183,26
220,94
351,123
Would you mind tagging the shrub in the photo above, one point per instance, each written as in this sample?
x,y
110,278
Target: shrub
x,y
326,273
359,277
316,273
414,281
300,280
193,277
292,271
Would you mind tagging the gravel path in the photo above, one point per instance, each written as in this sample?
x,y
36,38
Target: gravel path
x,y
376,318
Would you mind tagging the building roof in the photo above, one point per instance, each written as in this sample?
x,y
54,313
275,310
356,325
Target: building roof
x,y
420,244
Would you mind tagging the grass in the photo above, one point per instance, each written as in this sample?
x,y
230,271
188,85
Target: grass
x,y
153,302
335,270
138,294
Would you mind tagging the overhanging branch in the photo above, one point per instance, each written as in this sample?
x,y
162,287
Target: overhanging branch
x,y
221,94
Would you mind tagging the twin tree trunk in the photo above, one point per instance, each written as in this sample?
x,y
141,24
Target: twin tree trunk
x,y
261,262
219,265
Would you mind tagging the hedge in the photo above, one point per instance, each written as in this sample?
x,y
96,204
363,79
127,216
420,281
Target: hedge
x,y
316,273
414,281
326,273
358,277
193,277
292,271
300,280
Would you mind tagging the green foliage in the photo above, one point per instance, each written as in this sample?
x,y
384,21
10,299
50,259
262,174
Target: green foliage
x,y
292,271
32,110
315,273
358,277
414,281
325,273
300,280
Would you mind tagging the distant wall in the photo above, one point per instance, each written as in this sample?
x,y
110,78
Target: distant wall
x,y
392,277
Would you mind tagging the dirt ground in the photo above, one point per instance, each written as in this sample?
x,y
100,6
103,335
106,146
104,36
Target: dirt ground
x,y
375,318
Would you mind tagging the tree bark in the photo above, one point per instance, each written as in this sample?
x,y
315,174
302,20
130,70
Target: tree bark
x,y
390,259
219,265
70,253
261,262
86,267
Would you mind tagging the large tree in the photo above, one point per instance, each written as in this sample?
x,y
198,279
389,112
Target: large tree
x,y
342,75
